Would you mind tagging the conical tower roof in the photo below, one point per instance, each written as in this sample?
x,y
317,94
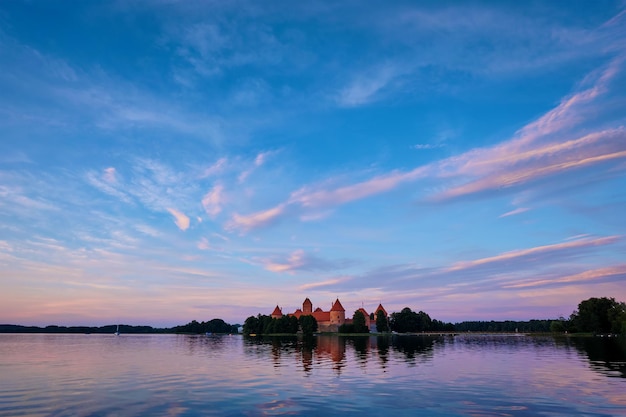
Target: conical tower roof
x,y
277,312
380,307
337,306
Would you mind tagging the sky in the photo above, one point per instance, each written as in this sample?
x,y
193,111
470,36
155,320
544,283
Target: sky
x,y
169,161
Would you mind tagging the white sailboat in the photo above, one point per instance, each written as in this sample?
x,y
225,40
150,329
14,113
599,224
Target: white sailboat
x,y
117,331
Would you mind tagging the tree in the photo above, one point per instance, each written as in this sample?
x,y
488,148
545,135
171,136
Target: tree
x,y
250,325
358,320
346,328
599,315
308,324
382,324
405,321
557,326
293,325
217,326
617,316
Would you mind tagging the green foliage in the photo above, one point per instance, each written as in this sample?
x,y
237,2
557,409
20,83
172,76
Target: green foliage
x,y
262,324
346,328
557,326
508,326
359,322
409,321
255,325
308,324
382,324
599,315
211,326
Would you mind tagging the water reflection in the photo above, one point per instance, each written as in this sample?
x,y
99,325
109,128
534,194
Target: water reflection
x,y
399,375
329,349
606,355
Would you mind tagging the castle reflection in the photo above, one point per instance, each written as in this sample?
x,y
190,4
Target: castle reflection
x,y
336,350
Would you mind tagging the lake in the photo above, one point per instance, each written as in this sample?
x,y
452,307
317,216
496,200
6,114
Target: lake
x,y
180,375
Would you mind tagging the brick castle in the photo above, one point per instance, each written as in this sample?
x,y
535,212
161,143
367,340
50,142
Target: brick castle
x,y
329,321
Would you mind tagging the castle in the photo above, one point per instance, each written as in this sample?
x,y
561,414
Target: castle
x,y
329,321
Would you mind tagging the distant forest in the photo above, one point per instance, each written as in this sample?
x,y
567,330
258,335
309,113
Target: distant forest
x,y
194,327
594,315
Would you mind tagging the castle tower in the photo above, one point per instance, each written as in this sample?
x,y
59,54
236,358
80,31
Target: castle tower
x,y
337,314
277,313
307,306
380,308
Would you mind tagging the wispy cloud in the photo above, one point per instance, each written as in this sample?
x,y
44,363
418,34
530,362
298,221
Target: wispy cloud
x,y
110,175
254,220
213,200
299,260
613,272
544,148
324,284
534,253
181,220
365,89
216,168
519,210
422,146
260,159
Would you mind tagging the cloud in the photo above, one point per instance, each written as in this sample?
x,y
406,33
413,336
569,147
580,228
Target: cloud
x,y
213,200
110,175
216,168
325,198
180,219
367,86
500,272
300,261
204,244
421,146
545,148
324,284
295,261
613,273
519,210
534,253
254,220
259,160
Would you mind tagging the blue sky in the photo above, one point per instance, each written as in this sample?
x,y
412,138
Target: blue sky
x,y
165,161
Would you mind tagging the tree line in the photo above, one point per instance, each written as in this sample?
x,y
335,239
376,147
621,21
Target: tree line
x,y
594,315
194,327
264,324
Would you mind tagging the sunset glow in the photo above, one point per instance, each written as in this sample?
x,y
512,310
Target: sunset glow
x,y
162,162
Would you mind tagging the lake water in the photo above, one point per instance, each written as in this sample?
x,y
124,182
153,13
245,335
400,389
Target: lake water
x,y
177,375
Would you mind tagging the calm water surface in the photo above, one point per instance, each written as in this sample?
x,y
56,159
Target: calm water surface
x,y
176,375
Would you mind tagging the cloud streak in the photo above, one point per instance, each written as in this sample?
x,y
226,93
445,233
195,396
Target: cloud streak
x,y
544,148
299,260
181,220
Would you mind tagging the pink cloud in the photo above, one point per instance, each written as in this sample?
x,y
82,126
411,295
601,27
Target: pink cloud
x,y
508,256
258,219
213,200
110,175
216,168
586,276
342,195
295,260
180,219
541,149
496,168
328,282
